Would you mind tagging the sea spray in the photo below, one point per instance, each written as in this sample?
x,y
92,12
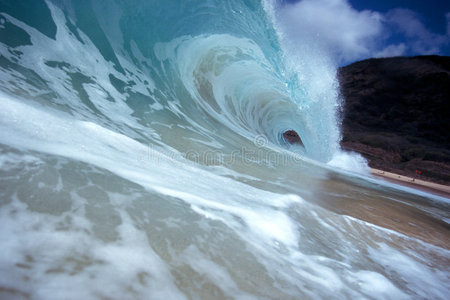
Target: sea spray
x,y
142,156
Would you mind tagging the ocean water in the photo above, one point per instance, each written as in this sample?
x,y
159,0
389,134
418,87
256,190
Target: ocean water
x,y
142,157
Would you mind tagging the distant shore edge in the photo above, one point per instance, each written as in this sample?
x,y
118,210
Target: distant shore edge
x,y
431,187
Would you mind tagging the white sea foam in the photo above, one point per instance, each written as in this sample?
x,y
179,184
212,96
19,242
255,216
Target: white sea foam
x,y
349,161
267,226
99,199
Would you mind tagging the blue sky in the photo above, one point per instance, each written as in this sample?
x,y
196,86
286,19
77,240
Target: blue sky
x,y
357,29
431,12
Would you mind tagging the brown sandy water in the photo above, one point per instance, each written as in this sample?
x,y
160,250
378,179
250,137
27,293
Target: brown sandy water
x,y
409,214
242,233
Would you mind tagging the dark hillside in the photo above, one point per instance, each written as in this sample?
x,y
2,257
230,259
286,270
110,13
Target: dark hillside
x,y
396,113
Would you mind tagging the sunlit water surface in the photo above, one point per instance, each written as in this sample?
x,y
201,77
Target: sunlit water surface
x,y
142,157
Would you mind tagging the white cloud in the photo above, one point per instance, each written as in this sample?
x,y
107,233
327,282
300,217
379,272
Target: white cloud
x,y
419,39
392,50
347,34
332,24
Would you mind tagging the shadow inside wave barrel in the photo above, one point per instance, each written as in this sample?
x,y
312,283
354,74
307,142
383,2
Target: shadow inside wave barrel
x,y
292,137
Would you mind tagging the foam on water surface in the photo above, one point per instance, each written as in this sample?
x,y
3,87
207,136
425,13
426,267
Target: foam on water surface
x,y
141,161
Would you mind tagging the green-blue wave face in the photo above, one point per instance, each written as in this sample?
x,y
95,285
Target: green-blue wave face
x,y
142,157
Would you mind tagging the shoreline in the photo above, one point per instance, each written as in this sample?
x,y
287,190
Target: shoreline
x,y
427,186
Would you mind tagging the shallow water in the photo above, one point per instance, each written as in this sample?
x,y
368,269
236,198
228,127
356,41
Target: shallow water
x,y
142,157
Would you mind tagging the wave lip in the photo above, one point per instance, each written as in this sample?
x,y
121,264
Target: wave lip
x,y
148,139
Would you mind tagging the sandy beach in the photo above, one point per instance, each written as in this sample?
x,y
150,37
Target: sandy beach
x,y
431,187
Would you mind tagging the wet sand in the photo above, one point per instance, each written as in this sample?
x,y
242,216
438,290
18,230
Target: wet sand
x,y
434,188
414,217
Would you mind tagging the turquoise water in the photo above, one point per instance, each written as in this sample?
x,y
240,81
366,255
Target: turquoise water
x,y
142,157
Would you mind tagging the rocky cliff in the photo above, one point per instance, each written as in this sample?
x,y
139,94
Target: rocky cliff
x,y
396,113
